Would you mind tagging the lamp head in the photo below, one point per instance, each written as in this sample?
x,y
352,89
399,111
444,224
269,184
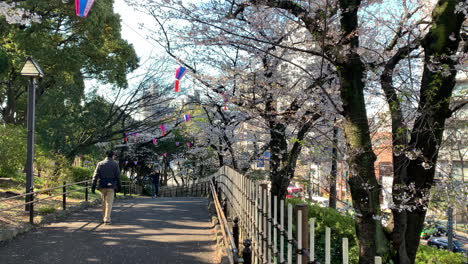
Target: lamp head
x,y
31,69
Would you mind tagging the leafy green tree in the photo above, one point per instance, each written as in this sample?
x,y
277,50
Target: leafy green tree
x,y
69,49
12,150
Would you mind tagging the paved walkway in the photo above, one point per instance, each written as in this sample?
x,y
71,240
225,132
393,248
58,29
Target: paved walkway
x,y
144,230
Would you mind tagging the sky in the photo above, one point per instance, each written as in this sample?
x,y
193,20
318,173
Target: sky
x,y
132,33
135,36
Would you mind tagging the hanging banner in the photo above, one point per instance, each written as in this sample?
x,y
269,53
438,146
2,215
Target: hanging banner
x,y
82,7
155,140
187,117
180,72
163,130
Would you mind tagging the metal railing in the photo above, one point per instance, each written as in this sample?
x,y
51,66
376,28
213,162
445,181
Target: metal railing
x,y
228,237
127,187
200,189
266,223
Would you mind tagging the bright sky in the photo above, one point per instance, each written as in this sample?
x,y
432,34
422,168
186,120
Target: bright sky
x,y
137,37
132,33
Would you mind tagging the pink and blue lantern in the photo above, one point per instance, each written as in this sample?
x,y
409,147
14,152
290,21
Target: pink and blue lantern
x,y
177,143
180,72
188,144
82,7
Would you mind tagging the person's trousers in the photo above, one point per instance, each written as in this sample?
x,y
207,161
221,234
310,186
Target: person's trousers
x,y
155,189
107,196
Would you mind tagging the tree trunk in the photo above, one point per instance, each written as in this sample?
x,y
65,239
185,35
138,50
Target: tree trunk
x,y
278,157
332,200
440,43
364,187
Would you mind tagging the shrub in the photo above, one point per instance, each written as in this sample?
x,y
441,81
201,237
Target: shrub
x,y
79,174
431,255
341,226
12,151
344,226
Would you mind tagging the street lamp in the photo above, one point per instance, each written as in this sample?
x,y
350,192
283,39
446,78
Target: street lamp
x,y
31,69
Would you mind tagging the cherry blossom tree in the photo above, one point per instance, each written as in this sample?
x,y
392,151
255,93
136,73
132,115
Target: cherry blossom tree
x,y
409,56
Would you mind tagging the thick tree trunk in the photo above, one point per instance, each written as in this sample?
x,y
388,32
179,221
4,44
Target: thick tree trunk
x,y
364,187
440,44
278,157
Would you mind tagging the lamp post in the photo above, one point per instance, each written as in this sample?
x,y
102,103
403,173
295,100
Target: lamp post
x,y
31,69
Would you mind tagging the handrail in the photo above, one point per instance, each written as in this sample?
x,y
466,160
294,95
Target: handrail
x,y
228,237
41,191
63,193
38,200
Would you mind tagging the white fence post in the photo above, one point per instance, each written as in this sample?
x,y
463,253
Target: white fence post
x,y
282,231
275,230
299,235
312,239
327,245
345,251
290,225
378,260
270,250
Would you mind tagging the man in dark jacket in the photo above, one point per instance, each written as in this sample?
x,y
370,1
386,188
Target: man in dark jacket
x,y
155,180
108,174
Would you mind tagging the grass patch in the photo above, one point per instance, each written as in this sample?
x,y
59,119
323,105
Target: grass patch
x,y
47,209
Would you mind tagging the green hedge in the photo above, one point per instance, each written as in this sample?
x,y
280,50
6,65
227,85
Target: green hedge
x,y
341,226
432,255
80,174
344,226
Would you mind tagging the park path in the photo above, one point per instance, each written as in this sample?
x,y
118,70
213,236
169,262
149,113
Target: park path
x,y
144,230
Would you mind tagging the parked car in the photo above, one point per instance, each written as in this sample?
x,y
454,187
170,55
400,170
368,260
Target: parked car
x,y
442,243
321,201
294,192
435,229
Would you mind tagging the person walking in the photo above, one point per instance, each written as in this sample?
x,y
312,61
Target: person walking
x,y
155,180
107,177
